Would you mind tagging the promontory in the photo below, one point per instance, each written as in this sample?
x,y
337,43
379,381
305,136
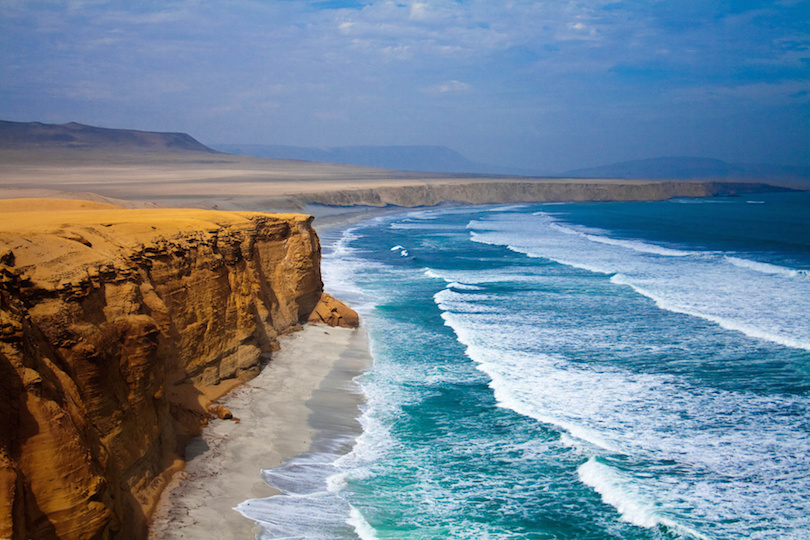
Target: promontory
x,y
119,330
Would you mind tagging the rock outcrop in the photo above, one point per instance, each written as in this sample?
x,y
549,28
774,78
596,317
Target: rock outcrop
x,y
119,329
508,191
415,192
334,313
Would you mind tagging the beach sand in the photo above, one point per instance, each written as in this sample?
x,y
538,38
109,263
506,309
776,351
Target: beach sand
x,y
280,414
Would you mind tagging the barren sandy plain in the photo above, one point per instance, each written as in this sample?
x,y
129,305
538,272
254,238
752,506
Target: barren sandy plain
x,y
185,179
213,180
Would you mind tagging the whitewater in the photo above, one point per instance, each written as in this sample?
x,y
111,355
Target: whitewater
x,y
592,370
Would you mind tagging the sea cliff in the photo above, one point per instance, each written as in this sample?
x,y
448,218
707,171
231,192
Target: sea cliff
x,y
119,330
510,190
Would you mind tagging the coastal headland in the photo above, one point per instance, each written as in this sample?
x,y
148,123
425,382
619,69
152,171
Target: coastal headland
x,y
119,331
131,302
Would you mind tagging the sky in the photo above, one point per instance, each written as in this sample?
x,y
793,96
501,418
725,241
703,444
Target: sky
x,y
549,85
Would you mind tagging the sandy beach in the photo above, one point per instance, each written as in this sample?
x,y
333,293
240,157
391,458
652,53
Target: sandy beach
x,y
280,414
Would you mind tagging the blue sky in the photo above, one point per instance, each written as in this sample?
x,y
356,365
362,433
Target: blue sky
x,y
545,84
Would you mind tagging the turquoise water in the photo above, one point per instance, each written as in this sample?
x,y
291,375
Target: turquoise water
x,y
600,370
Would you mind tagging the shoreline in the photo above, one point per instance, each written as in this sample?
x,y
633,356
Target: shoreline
x,y
232,182
282,412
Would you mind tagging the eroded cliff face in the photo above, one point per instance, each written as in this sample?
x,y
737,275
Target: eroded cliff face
x,y
118,330
488,191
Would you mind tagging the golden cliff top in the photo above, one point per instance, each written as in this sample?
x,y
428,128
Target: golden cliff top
x,y
119,330
52,240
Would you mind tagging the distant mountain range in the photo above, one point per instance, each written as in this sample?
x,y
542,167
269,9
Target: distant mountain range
x,y
446,160
424,158
34,135
435,159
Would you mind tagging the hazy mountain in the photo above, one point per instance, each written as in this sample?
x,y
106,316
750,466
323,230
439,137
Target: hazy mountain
x,y
403,158
682,168
35,135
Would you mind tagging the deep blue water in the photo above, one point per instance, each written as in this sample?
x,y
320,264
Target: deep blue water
x,y
601,370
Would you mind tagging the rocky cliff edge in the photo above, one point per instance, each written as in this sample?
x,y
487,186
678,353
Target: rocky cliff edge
x,y
119,329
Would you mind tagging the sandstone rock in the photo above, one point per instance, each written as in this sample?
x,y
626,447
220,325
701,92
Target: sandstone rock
x,y
333,312
511,190
244,360
7,258
118,330
223,413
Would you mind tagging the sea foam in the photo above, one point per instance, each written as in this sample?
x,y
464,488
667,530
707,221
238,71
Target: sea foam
x,y
625,390
362,527
740,296
620,494
766,268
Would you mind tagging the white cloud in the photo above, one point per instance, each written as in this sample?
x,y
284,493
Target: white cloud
x,y
516,63
448,87
419,12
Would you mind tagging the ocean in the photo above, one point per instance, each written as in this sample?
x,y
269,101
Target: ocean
x,y
634,370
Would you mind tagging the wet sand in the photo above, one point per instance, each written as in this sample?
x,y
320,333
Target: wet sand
x,y
281,412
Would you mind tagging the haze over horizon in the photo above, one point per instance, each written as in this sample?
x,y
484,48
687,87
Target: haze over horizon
x,y
546,85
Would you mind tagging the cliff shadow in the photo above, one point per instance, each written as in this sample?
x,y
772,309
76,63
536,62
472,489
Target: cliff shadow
x,y
196,447
18,425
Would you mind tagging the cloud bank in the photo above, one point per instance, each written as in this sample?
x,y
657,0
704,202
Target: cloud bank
x,y
543,84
